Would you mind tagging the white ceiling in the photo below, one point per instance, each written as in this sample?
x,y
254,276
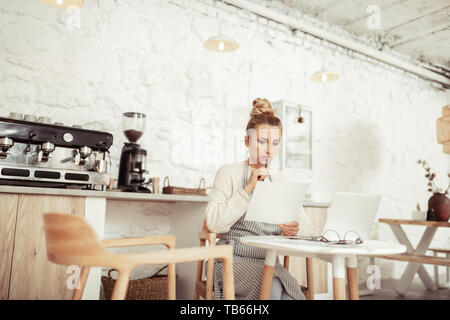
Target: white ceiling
x,y
419,28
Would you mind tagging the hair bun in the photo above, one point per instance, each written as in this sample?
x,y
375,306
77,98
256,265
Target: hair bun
x,y
261,106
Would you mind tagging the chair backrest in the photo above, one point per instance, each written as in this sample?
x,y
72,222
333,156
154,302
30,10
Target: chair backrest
x,y
71,240
352,211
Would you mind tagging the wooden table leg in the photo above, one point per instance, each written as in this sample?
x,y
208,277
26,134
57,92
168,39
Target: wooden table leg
x,y
352,278
266,283
310,279
338,263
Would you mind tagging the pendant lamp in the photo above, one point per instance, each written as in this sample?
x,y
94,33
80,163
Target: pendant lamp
x,y
221,42
324,75
63,4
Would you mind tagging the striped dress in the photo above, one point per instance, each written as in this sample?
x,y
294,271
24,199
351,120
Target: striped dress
x,y
248,261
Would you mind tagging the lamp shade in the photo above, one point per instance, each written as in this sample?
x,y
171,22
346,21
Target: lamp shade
x,y
443,129
63,4
324,76
221,43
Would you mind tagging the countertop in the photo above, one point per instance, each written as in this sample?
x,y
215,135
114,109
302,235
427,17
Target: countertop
x,y
118,195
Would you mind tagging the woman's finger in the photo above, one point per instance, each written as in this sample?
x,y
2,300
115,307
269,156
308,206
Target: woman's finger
x,y
289,233
289,228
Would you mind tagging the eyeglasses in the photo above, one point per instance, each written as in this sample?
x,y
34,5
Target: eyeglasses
x,y
322,238
358,240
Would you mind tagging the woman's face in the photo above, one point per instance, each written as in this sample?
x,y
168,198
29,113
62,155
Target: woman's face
x,y
263,143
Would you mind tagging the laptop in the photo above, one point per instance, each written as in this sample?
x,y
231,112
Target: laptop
x,y
352,211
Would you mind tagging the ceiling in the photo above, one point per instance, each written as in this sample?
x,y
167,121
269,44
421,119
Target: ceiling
x,y
418,28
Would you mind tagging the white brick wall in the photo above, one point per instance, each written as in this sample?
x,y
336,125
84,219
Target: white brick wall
x,y
147,56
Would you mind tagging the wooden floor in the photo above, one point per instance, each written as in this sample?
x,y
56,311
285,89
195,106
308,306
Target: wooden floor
x,y
417,291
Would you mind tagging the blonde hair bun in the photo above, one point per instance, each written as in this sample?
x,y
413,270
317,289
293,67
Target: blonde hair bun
x,y
261,106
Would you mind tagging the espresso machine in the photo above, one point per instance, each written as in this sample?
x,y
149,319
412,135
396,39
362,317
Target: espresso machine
x,y
133,158
38,153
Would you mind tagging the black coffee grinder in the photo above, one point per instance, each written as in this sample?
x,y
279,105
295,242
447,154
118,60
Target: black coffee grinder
x,y
133,158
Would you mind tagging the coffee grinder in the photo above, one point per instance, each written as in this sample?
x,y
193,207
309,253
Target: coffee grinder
x,y
133,158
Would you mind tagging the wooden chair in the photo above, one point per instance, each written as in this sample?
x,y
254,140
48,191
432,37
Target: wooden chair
x,y
204,288
71,240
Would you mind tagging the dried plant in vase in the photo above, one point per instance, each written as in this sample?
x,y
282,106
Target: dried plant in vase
x,y
439,203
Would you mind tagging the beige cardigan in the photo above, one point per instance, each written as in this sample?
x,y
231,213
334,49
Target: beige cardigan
x,y
229,201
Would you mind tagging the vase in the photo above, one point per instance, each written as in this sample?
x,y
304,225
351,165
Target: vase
x,y
438,207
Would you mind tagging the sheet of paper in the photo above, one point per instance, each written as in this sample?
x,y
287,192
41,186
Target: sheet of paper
x,y
276,202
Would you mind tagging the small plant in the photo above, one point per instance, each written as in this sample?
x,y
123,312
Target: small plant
x,y
430,176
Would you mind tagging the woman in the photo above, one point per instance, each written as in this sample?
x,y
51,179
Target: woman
x,y
230,197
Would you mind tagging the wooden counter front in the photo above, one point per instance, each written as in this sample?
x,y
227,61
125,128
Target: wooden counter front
x,y
27,274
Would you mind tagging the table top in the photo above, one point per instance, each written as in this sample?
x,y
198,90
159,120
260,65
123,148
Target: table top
x,y
417,222
314,248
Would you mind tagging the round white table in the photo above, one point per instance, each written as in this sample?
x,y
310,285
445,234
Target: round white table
x,y
340,256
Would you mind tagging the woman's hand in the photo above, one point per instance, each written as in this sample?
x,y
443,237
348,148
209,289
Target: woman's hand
x,y
289,229
251,184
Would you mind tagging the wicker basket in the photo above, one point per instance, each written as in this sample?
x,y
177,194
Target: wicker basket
x,y
151,288
184,191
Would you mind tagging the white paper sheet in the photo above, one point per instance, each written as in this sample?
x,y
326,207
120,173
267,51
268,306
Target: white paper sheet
x,y
276,202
